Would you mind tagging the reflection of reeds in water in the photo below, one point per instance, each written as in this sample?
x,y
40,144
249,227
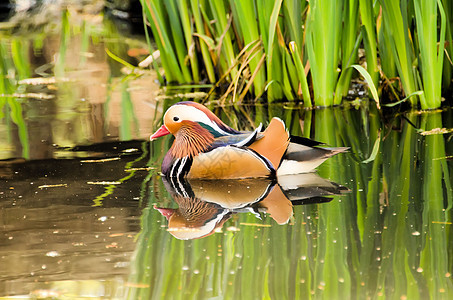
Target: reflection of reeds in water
x,y
334,246
438,201
389,237
71,92
14,66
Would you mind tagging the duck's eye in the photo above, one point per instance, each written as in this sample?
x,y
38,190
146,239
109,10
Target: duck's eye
x,y
176,119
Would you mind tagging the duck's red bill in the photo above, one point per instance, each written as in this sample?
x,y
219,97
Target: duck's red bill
x,y
166,212
160,132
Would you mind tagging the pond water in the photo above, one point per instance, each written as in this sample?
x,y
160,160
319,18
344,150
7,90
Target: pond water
x,y
84,212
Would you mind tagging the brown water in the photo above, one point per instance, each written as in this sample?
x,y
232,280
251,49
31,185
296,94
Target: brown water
x,y
54,235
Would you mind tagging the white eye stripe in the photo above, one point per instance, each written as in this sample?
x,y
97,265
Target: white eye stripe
x,y
193,114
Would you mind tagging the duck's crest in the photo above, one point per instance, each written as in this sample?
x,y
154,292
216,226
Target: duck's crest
x,y
227,130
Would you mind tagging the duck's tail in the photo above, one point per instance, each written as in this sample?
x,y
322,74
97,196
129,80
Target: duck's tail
x,y
304,155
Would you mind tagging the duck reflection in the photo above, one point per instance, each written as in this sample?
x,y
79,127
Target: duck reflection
x,y
205,205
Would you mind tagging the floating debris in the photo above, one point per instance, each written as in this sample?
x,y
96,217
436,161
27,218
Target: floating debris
x,y
52,185
255,224
131,150
194,95
100,160
445,157
42,80
439,222
40,96
112,245
436,131
103,182
140,169
52,254
116,234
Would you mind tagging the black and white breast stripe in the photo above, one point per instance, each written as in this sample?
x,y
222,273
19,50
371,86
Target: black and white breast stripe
x,y
180,167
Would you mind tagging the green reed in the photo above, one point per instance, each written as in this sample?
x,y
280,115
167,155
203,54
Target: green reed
x,y
448,66
163,31
245,26
349,48
368,18
249,45
323,48
431,49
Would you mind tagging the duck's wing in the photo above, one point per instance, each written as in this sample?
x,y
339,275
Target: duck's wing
x,y
304,141
300,152
274,142
242,139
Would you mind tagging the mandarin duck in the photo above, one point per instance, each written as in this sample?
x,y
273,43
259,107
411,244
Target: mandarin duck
x,y
205,147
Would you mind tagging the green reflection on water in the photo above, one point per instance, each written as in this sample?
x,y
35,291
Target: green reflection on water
x,y
58,87
388,238
14,66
